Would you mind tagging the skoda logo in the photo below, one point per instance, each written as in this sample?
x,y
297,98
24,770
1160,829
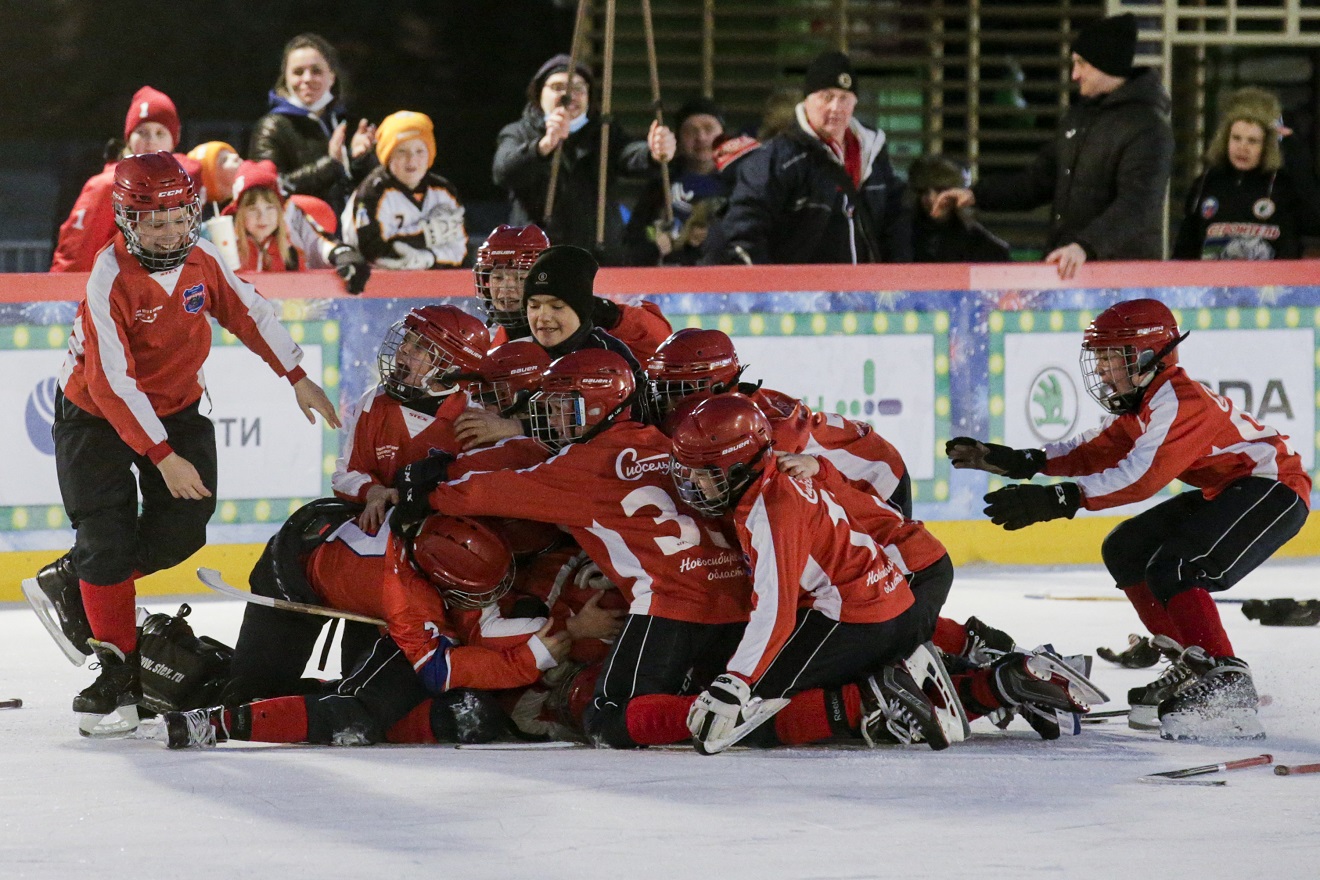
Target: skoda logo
x,y
1052,405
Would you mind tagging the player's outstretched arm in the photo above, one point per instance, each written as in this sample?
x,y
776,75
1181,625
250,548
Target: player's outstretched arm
x,y
311,399
1016,464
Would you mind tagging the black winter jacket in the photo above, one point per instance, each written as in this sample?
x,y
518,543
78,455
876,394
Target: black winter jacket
x,y
521,170
795,203
1252,215
1105,174
297,143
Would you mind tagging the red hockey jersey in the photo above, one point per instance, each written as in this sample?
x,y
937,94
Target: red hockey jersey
x,y
613,494
1183,431
808,551
139,339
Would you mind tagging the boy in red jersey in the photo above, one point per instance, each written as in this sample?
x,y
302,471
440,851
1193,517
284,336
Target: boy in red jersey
x,y
1251,495
129,395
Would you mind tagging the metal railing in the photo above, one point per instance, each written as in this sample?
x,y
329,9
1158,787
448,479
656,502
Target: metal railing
x,y
24,256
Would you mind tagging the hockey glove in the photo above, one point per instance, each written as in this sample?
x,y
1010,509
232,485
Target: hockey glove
x,y
606,314
1016,464
414,484
1016,507
409,257
351,266
424,474
719,709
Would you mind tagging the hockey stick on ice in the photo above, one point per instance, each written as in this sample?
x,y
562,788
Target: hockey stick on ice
x,y
213,580
1204,769
1064,597
1296,769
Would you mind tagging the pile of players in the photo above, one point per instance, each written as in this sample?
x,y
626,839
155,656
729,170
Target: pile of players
x,y
577,525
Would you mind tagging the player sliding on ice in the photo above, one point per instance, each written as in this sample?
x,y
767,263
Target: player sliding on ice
x,y
1251,496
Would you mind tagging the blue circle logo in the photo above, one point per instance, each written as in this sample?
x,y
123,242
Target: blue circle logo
x,y
39,415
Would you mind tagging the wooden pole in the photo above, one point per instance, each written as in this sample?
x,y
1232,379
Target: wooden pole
x,y
658,108
607,88
579,24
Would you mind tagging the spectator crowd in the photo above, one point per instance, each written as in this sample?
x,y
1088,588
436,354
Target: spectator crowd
x,y
317,188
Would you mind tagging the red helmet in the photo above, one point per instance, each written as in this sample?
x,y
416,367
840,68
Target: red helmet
x,y
154,188
689,361
468,562
790,419
1123,349
513,248
509,374
716,450
581,394
428,345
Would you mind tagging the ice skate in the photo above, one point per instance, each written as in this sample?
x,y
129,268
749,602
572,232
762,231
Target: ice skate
x,y
1041,687
1140,653
116,691
195,729
1220,703
985,644
56,598
1145,701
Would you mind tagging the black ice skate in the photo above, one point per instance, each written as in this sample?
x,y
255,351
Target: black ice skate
x,y
117,690
1219,704
195,729
1140,653
911,702
1040,686
985,644
56,597
1145,701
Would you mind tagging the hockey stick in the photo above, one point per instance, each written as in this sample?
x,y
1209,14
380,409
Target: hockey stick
x,y
1296,769
1063,597
213,580
1205,769
14,703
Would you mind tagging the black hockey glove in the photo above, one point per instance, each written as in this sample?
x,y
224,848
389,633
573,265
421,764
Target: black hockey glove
x,y
351,266
414,484
1016,507
1016,464
606,313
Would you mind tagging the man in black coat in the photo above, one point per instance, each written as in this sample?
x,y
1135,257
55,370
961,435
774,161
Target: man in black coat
x,y
822,192
1107,169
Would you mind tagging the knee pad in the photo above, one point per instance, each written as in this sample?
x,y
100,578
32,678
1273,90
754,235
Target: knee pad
x,y
341,721
1163,579
466,716
1116,553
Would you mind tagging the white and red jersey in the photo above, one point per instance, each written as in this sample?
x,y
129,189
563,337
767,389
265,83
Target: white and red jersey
x,y
139,339
449,648
642,328
907,542
384,435
808,551
863,458
1183,431
613,494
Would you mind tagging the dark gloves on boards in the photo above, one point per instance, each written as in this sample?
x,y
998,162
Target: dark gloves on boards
x,y
351,266
1016,464
1016,507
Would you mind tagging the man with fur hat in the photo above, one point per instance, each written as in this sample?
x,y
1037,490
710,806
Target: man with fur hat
x,y
954,235
404,216
151,125
1246,205
824,191
1106,171
558,112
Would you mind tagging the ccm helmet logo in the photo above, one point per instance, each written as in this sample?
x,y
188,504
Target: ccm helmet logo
x,y
171,192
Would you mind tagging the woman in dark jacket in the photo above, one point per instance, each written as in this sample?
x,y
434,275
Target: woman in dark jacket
x,y
525,151
304,133
1245,206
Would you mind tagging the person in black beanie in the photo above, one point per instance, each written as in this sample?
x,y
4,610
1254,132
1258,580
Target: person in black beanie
x,y
1107,168
824,190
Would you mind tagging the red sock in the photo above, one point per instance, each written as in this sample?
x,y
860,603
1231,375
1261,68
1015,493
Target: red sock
x,y
658,719
415,727
950,636
816,715
112,612
1153,613
976,693
279,720
1197,618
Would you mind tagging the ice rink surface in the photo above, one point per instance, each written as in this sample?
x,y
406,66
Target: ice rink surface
x,y
1002,804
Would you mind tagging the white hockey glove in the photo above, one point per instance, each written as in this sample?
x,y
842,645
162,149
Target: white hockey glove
x,y
408,257
590,577
719,709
